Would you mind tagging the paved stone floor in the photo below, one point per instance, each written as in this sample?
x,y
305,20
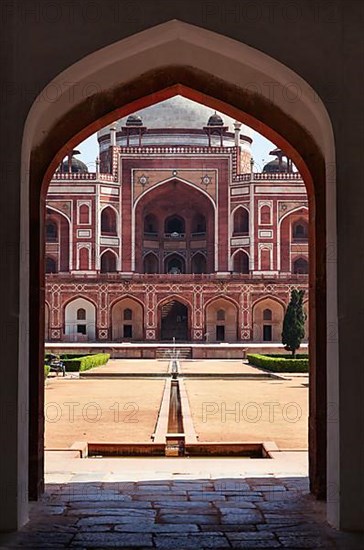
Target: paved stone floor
x,y
187,514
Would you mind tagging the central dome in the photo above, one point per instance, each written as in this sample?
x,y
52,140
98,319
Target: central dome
x,y
177,112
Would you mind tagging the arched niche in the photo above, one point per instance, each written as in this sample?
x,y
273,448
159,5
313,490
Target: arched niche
x,y
240,262
108,221
265,329
108,262
221,320
241,221
127,320
150,263
76,329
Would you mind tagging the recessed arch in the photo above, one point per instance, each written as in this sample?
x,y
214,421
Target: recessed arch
x,y
264,329
174,319
191,78
109,220
108,261
168,180
222,297
127,316
151,263
240,221
225,328
198,263
175,263
64,237
75,328
240,261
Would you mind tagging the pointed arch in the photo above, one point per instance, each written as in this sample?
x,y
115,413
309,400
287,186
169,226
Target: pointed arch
x,y
226,91
108,221
221,320
240,221
198,263
127,319
240,261
76,328
151,263
268,327
108,261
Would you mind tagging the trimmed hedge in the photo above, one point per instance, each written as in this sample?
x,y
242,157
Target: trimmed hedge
x,y
279,363
86,362
46,371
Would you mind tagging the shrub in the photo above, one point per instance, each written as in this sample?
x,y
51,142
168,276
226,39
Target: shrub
x,y
279,363
86,362
46,371
294,322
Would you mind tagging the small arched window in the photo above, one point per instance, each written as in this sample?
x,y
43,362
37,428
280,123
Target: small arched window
x,y
199,224
300,266
300,230
51,265
175,264
174,224
198,263
150,263
267,315
220,315
108,262
51,232
81,314
84,259
84,214
128,314
241,221
265,215
151,224
108,221
241,262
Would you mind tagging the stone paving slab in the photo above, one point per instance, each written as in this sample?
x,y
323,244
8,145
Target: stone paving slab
x,y
163,514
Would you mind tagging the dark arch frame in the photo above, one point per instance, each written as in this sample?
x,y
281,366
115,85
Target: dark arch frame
x,y
180,300
251,108
171,218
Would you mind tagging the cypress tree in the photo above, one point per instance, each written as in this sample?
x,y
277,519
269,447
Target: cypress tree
x,y
294,322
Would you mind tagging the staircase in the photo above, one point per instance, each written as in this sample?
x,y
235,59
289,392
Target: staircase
x,y
168,353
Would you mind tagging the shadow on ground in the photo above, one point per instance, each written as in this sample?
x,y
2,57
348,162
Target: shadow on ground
x,y
264,512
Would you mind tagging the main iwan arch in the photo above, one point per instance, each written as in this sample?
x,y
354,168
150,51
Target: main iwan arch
x,y
178,58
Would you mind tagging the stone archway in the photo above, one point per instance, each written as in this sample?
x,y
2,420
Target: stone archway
x,y
291,127
267,327
221,320
174,320
127,320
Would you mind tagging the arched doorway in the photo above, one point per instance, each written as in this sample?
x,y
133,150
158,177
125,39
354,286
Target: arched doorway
x,y
241,262
108,221
174,321
175,264
127,320
80,320
108,262
174,225
221,321
268,315
296,129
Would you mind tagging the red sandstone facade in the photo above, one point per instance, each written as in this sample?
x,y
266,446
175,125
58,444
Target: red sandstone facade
x,y
173,235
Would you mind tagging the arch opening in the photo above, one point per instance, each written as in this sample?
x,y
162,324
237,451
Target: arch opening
x,y
41,168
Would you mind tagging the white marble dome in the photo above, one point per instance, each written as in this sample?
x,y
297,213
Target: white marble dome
x,y
177,112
